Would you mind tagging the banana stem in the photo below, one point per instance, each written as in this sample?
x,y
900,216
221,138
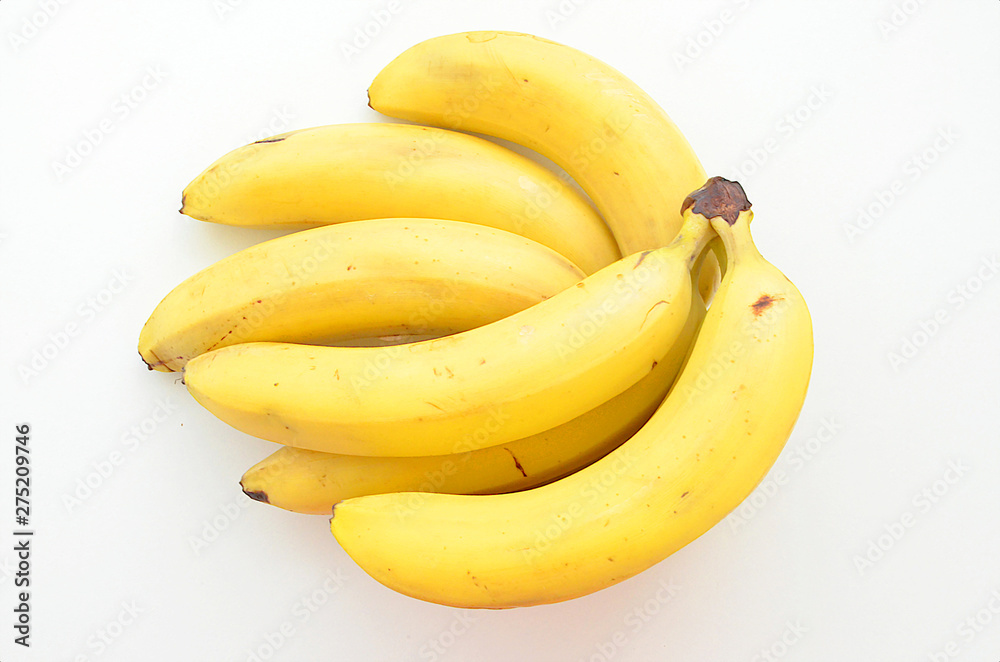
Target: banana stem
x,y
724,204
692,239
736,238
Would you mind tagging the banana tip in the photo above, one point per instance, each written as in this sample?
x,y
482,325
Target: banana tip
x,y
256,495
156,364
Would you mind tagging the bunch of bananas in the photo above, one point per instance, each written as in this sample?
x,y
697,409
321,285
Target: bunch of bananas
x,y
505,396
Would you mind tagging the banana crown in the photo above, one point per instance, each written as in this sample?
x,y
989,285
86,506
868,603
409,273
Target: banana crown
x,y
719,197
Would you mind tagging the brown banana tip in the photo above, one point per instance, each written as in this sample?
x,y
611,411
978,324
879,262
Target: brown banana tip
x,y
256,495
156,363
718,197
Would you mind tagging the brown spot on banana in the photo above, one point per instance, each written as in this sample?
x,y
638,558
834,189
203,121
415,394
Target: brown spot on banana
x,y
763,303
642,257
652,308
516,463
256,495
155,364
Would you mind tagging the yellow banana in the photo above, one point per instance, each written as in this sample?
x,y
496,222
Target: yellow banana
x,y
369,278
349,172
312,481
608,134
513,378
703,451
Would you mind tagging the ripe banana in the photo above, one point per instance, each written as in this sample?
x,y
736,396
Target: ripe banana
x,y
312,481
704,450
348,172
588,118
513,378
341,282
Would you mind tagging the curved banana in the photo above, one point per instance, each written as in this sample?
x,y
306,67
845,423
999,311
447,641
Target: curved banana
x,y
718,432
588,118
312,481
308,481
366,279
348,172
513,378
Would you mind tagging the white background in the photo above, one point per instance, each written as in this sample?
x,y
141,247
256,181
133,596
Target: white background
x,y
838,102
